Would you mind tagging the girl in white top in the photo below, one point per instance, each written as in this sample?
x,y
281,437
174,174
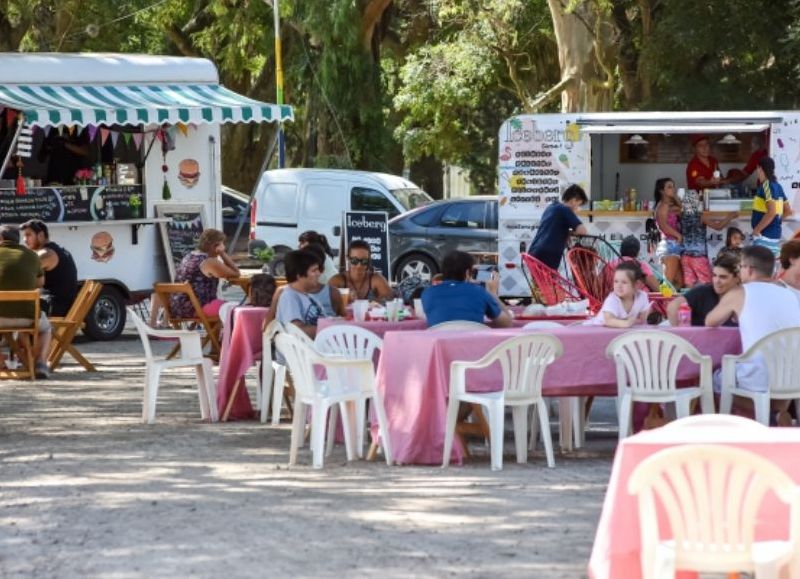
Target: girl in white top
x,y
627,305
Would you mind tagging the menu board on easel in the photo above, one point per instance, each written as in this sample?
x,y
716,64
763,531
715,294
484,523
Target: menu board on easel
x,y
180,234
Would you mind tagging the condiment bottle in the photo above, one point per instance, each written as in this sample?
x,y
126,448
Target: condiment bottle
x,y
684,315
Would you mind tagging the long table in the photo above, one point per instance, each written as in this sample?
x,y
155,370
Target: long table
x,y
414,369
617,545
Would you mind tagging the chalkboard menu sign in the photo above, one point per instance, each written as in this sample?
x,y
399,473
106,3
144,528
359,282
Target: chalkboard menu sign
x,y
78,203
372,227
180,234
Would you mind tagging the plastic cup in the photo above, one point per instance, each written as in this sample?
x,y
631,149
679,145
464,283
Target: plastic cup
x,y
360,308
418,311
392,310
345,293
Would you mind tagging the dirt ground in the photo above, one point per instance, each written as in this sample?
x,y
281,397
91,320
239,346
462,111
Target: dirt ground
x,y
86,490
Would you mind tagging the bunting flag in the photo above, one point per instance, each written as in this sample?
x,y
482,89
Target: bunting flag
x,y
183,129
137,140
171,132
114,139
92,132
46,130
11,114
104,135
126,137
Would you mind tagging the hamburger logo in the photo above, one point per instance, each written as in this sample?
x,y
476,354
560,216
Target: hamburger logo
x,y
188,173
102,246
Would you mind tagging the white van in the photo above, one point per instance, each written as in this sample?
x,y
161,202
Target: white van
x,y
291,201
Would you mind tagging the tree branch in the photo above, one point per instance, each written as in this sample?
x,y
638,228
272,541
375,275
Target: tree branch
x,y
370,17
545,97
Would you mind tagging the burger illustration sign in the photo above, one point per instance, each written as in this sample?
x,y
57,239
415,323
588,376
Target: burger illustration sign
x,y
189,173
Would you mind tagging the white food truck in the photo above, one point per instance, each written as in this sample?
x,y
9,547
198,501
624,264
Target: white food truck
x,y
120,156
617,158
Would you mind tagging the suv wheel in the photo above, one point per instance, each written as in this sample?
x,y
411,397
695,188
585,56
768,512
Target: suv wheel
x,y
417,264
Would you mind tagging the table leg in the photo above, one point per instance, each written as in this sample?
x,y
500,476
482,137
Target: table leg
x,y
231,398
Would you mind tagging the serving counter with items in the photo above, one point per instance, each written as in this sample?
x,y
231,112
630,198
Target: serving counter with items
x,y
75,203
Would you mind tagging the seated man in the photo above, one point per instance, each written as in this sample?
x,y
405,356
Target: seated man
x,y
762,307
704,297
629,251
20,270
458,299
296,304
60,272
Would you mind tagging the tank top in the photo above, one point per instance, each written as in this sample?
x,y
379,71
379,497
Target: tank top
x,y
767,308
61,282
673,220
371,293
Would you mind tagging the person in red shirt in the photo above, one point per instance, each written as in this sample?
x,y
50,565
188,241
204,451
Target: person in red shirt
x,y
700,170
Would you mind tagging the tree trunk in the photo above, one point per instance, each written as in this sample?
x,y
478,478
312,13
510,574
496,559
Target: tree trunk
x,y
583,38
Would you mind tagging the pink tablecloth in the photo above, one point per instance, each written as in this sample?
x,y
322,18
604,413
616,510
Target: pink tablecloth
x,y
414,369
241,349
616,551
379,327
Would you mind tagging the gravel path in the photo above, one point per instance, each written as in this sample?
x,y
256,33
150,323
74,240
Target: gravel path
x,y
88,491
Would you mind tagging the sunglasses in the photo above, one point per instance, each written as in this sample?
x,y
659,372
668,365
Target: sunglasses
x,y
359,261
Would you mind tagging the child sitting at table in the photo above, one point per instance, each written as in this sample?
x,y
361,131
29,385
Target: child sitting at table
x,y
629,251
262,289
734,242
627,305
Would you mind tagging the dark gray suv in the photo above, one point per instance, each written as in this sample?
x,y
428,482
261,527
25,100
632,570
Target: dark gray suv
x,y
420,238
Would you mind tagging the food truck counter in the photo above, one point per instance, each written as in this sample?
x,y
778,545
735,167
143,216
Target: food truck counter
x,y
57,203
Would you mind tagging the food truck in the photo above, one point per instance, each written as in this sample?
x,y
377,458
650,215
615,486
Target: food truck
x,y
120,156
617,158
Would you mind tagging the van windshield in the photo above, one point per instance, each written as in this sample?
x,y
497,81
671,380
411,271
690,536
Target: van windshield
x,y
412,198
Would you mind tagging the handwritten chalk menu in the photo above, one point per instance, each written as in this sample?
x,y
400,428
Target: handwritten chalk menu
x,y
78,203
180,234
372,227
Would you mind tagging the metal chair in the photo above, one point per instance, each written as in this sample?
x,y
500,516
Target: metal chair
x,y
551,288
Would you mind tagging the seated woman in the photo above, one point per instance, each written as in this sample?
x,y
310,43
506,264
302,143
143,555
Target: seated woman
x,y
629,251
203,269
626,305
364,284
704,297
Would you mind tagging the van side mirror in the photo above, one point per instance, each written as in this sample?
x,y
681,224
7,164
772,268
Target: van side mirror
x,y
337,230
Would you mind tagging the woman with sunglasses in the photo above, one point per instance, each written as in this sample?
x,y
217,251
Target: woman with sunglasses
x,y
364,284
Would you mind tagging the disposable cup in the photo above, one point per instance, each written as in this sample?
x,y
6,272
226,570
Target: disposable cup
x,y
392,310
345,293
418,311
360,308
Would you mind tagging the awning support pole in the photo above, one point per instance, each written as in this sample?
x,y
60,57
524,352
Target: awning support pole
x,y
20,122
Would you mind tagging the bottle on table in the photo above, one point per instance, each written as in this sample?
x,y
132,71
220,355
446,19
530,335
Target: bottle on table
x,y
684,315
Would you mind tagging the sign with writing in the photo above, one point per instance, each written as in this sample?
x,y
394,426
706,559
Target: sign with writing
x,y
373,228
539,157
77,203
180,234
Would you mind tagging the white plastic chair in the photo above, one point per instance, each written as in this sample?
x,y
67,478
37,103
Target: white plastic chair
x,y
523,361
190,354
320,395
295,331
459,325
353,343
778,352
273,375
711,495
541,325
714,420
647,366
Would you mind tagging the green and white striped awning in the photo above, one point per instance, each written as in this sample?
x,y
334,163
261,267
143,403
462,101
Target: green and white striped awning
x,y
83,105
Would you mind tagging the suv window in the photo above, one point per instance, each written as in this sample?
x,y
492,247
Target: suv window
x,y
469,215
363,199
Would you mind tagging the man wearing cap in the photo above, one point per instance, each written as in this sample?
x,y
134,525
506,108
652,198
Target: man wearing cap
x,y
700,170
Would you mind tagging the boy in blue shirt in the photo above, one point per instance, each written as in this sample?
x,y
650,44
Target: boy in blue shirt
x,y
558,220
455,298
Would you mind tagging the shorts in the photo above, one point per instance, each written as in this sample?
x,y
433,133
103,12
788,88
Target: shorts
x,y
44,323
751,375
696,269
668,248
211,309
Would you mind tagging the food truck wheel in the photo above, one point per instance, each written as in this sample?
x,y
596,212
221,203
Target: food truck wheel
x,y
416,264
106,319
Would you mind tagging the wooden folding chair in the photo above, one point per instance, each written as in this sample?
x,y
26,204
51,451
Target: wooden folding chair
x,y
22,340
211,325
66,327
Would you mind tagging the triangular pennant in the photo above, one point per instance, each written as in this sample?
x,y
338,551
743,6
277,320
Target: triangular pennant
x,y
46,129
137,140
171,132
92,129
193,126
160,135
114,139
11,114
71,129
126,137
103,135
183,129
60,130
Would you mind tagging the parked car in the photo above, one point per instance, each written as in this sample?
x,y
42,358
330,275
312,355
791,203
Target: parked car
x,y
419,239
235,207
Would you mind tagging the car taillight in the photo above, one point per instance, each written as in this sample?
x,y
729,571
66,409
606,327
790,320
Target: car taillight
x,y
253,219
